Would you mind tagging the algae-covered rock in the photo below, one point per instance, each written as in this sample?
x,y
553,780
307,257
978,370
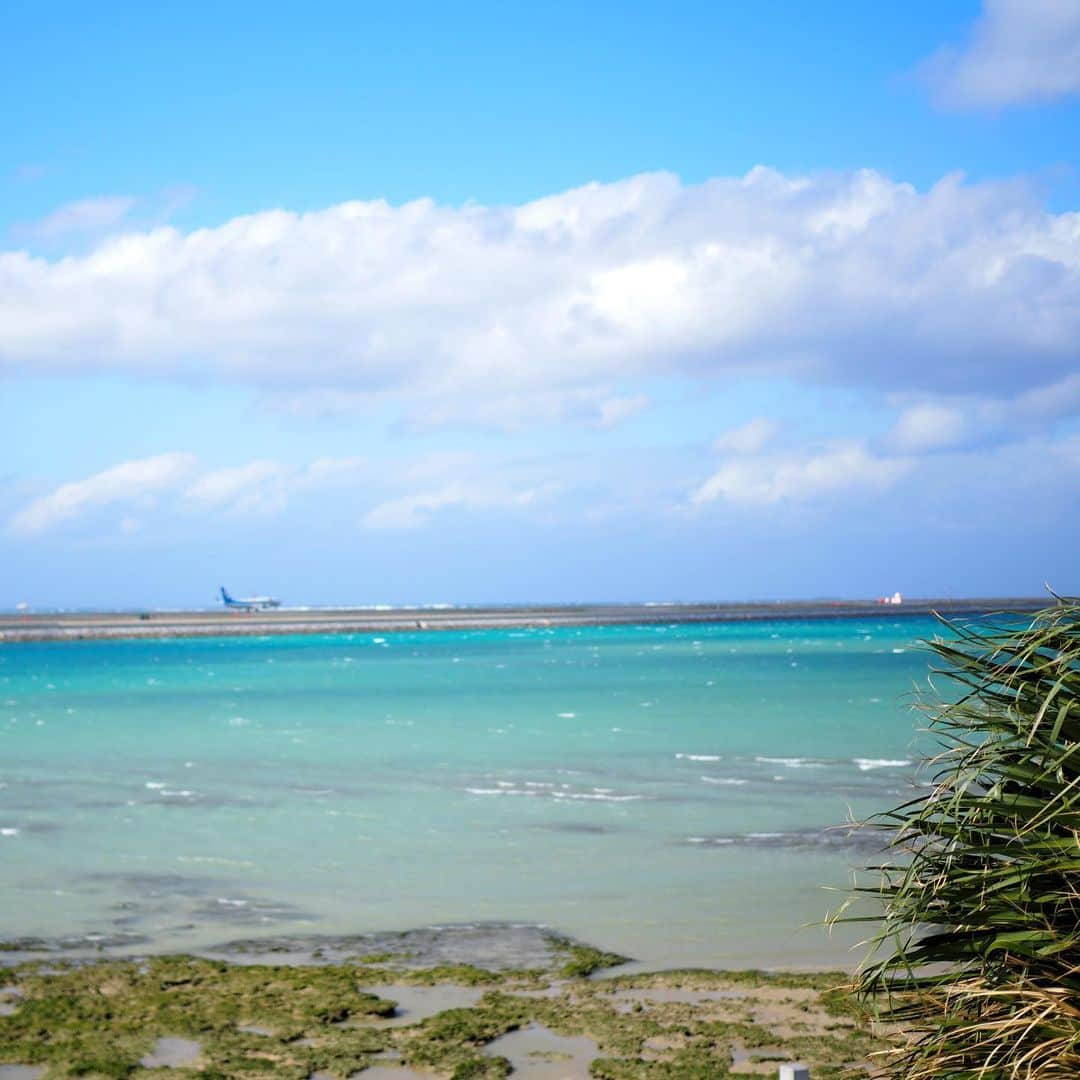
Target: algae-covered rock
x,y
108,1018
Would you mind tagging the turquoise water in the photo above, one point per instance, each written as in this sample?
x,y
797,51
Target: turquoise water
x,y
661,791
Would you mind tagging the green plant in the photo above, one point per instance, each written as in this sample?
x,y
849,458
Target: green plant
x,y
976,957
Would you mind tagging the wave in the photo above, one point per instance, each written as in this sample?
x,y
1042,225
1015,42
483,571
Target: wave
x,y
700,757
863,764
839,837
792,762
596,795
502,791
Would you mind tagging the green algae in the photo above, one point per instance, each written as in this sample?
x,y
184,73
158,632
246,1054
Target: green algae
x,y
451,974
98,1019
583,960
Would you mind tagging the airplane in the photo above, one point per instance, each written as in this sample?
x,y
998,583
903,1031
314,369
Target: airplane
x,y
248,603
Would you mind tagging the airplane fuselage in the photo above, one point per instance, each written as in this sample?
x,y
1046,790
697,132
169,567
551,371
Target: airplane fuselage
x,y
248,603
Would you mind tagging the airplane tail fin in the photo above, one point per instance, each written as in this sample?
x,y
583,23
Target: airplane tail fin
x,y
225,597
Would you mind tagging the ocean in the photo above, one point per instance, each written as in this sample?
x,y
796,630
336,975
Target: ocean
x,y
667,792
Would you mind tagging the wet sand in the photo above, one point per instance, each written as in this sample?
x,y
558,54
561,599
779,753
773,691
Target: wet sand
x,y
76,626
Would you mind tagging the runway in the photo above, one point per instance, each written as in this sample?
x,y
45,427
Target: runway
x,y
98,625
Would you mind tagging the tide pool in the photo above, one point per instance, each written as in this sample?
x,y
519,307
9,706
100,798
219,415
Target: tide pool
x,y
664,791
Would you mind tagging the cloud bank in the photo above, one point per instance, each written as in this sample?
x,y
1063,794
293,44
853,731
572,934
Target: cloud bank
x,y
416,510
533,311
262,485
1020,51
800,477
129,483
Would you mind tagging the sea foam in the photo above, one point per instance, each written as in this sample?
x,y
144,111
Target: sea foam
x,y
791,762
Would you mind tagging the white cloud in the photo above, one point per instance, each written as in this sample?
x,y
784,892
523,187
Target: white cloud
x,y
1042,405
1020,51
258,485
503,315
1069,449
453,480
266,486
334,470
82,216
966,421
416,510
512,410
128,483
928,427
615,410
800,478
747,439
263,486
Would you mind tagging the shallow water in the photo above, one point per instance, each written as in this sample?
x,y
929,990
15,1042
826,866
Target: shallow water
x,y
393,1072
539,1054
662,791
417,1003
171,1053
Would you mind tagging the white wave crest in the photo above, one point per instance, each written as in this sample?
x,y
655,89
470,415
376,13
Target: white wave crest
x,y
584,795
605,795
501,791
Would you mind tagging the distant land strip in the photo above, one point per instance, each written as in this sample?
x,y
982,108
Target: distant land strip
x,y
92,626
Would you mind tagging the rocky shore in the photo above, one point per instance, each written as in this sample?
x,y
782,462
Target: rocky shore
x,y
294,1010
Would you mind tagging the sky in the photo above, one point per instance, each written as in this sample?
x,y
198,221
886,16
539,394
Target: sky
x,y
488,303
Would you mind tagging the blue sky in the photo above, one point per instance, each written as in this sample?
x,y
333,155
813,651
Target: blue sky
x,y
450,303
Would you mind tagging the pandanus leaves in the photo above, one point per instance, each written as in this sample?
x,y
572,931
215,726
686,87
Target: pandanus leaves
x,y
975,959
